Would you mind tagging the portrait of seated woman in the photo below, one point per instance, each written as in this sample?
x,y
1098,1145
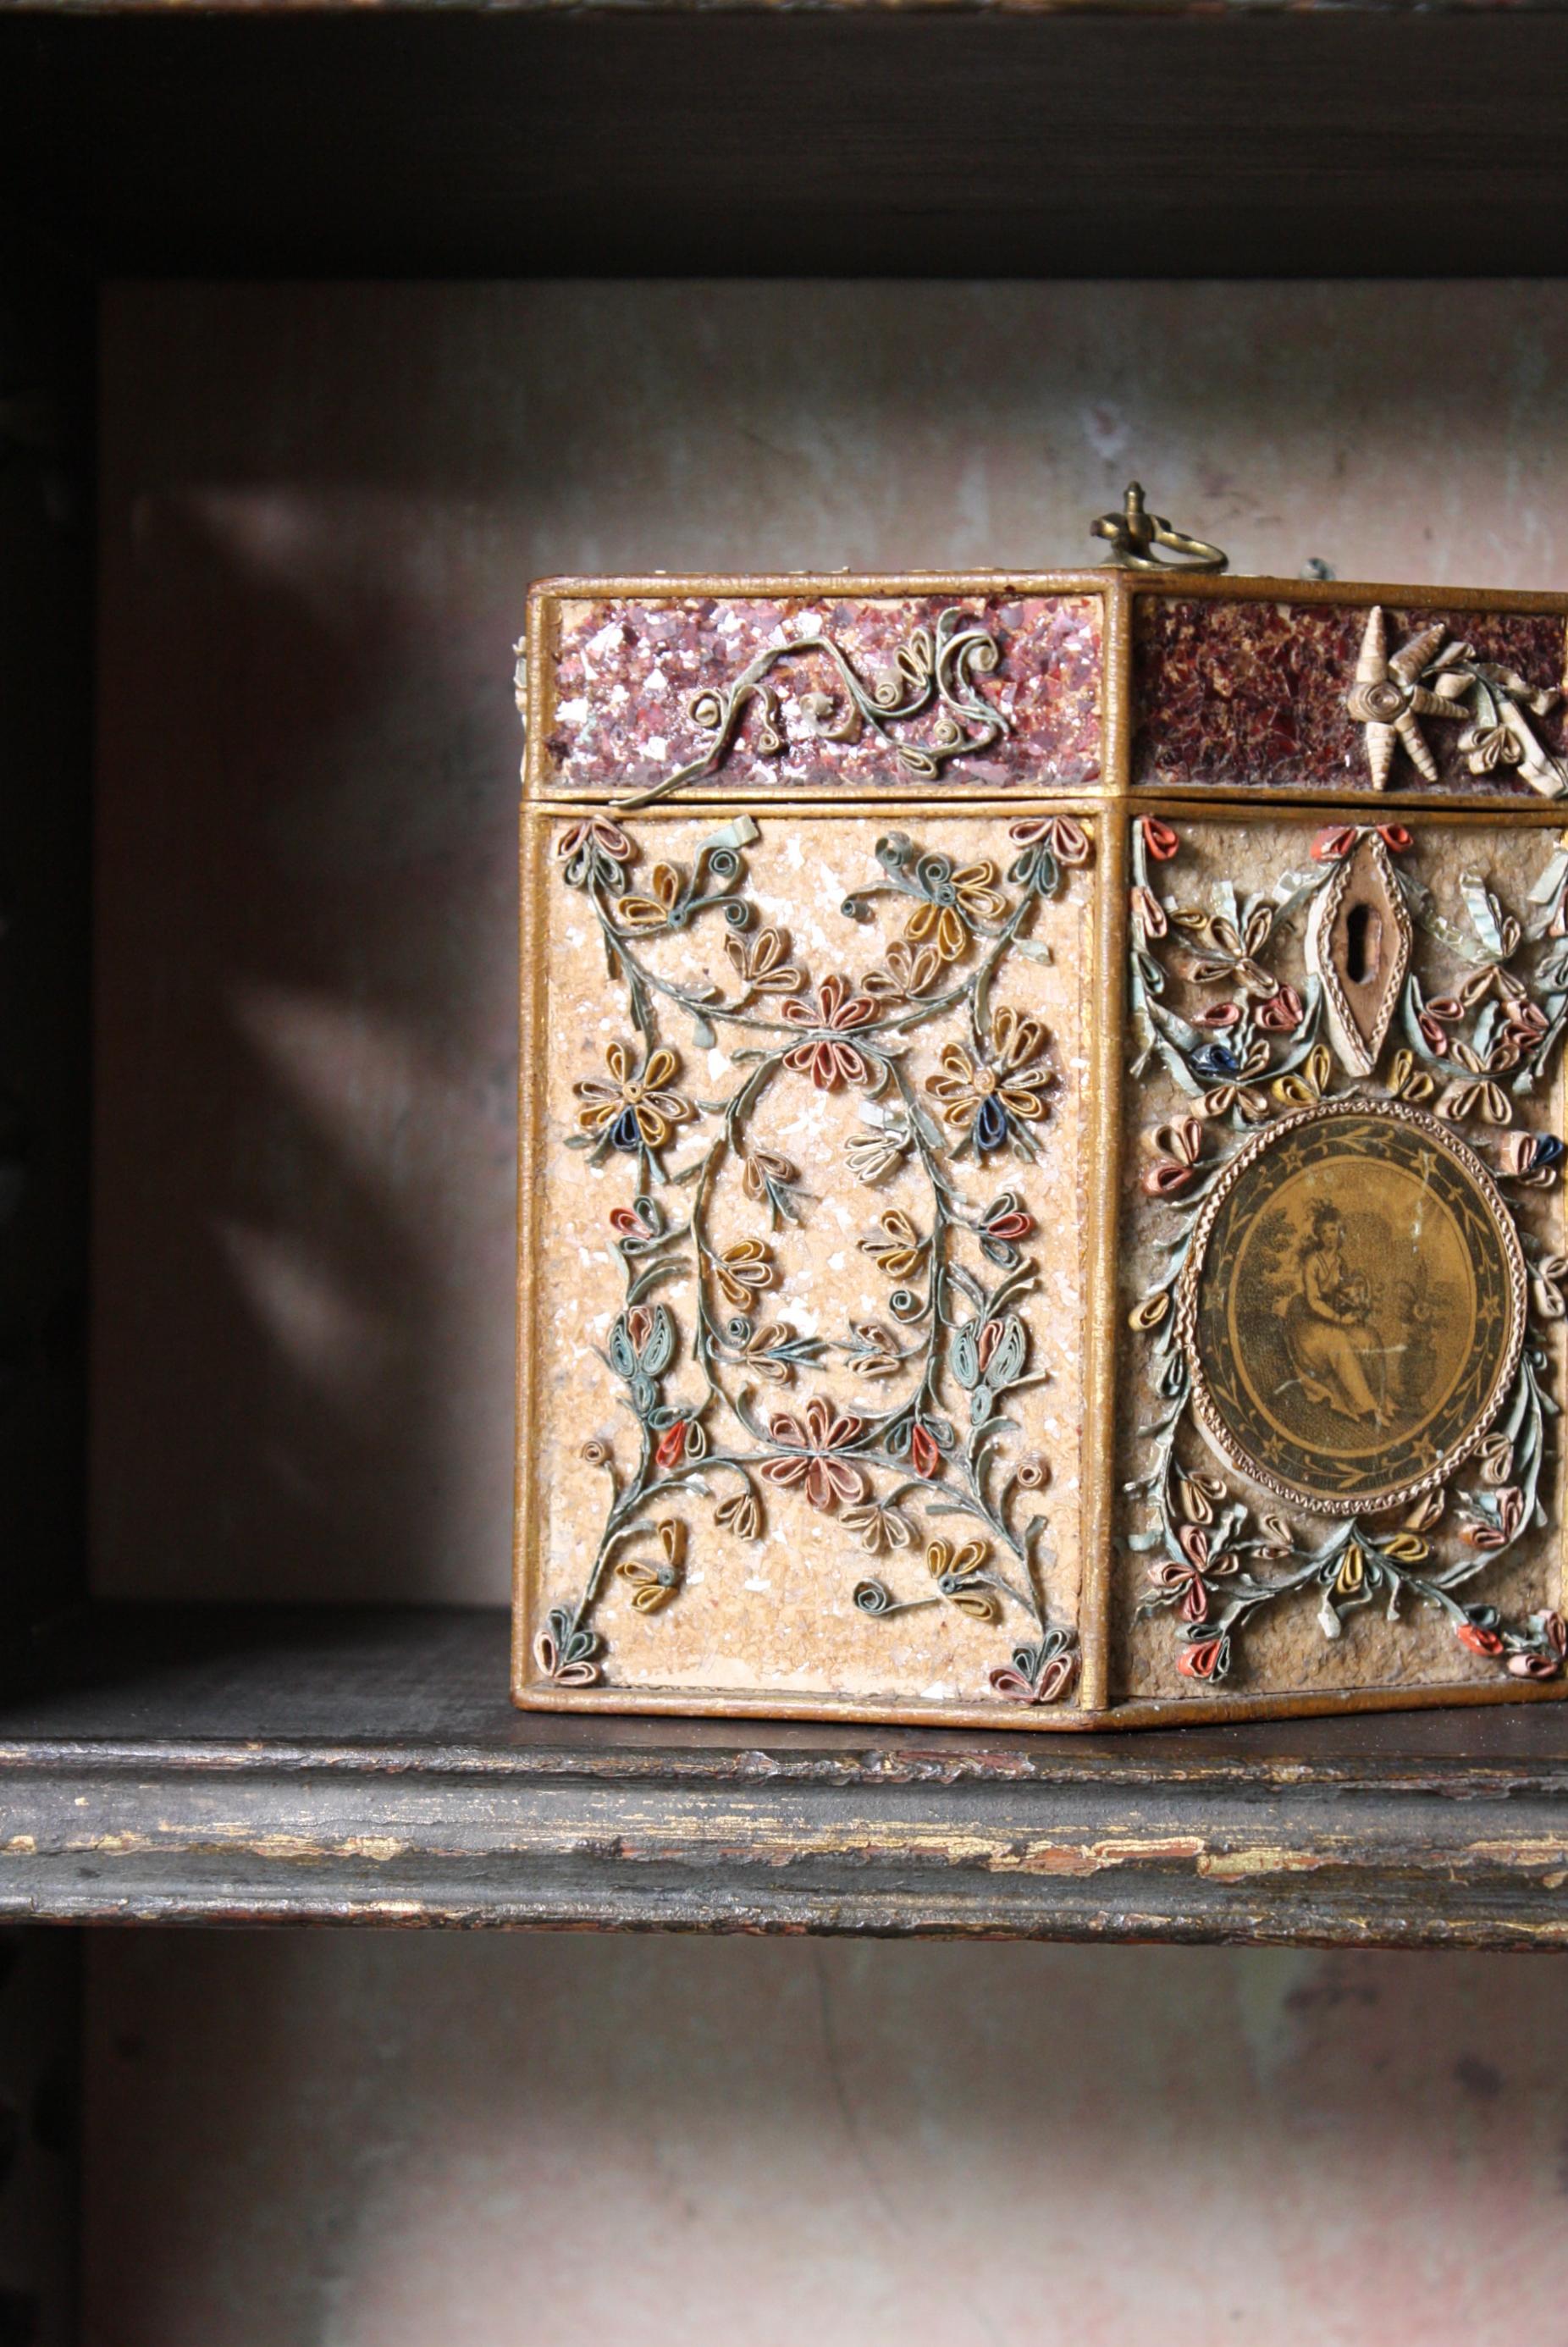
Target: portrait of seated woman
x,y
1335,1349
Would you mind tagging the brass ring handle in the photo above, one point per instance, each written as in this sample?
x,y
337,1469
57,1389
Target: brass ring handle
x,y
1134,533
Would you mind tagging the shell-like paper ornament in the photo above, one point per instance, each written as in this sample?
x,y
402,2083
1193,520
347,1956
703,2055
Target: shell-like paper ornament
x,y
1407,664
1387,702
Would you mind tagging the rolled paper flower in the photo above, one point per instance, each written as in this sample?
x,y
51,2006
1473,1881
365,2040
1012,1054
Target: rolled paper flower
x,y
1531,1665
671,1447
1281,1013
1148,913
1005,1219
1168,1180
812,1439
740,1516
1067,840
1184,1583
924,1456
1195,1545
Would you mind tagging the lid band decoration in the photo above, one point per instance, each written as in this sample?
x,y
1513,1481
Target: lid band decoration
x,y
933,668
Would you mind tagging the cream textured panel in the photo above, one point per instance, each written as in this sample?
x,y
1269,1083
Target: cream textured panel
x,y
805,1280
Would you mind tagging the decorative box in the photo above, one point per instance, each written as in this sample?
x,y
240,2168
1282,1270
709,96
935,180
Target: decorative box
x,y
1041,1148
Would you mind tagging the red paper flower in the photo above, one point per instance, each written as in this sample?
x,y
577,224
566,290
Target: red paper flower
x,y
1206,1658
924,1456
1037,1674
1179,1148
1487,1534
1148,914
671,1447
1281,1014
828,1061
630,1225
595,830
1068,841
1430,1018
1534,1665
1182,1582
814,1438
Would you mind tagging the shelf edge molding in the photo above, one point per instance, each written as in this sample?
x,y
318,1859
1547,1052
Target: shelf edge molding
x,y
1351,1860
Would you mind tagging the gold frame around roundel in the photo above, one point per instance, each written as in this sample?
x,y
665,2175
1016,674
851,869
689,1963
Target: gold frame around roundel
x,y
1218,1427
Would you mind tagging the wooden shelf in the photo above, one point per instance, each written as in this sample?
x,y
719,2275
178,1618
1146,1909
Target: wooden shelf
x,y
218,1766
844,142
366,1765
213,1766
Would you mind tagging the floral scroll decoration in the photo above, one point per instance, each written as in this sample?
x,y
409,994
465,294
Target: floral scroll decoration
x,y
930,1432
934,668
1250,1051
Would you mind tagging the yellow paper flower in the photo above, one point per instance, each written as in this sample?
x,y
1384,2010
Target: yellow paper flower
x,y
964,897
1008,1083
635,1108
742,1271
